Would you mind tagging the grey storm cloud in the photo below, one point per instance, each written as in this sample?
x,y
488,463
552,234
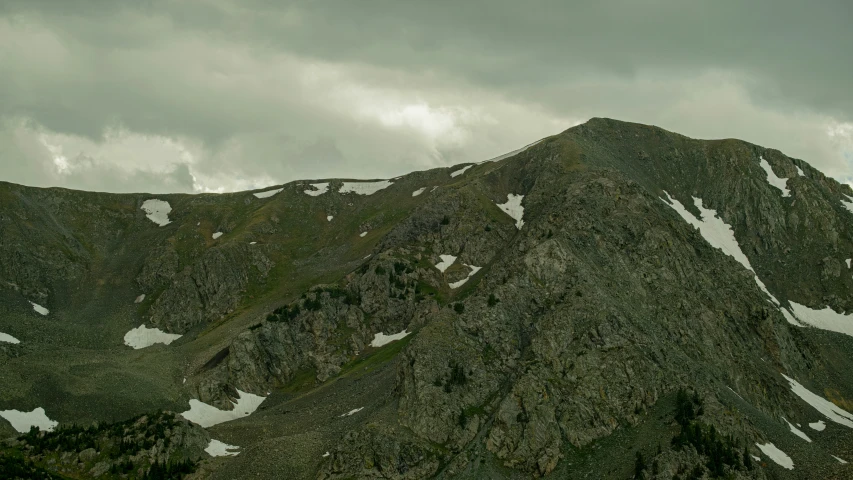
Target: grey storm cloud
x,y
218,95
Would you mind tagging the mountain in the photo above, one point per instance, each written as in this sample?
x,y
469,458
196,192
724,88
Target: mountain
x,y
614,301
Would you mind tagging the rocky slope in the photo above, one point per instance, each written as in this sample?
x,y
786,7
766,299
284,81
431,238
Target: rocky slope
x,y
555,313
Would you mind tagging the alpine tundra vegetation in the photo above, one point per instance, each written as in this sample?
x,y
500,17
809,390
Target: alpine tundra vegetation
x,y
615,301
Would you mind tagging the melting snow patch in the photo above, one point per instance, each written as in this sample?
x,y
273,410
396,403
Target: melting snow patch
x,y
364,188
800,171
141,337
445,263
826,319
329,218
139,299
790,318
818,425
319,189
460,171
848,204
772,179
381,339
157,211
473,272
776,455
5,337
39,309
796,431
839,460
757,459
267,194
822,405
717,233
362,234
353,411
22,421
252,243
326,454
513,208
220,449
848,262
217,235
418,192
208,415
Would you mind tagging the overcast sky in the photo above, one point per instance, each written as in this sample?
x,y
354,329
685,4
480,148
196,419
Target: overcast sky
x,y
223,95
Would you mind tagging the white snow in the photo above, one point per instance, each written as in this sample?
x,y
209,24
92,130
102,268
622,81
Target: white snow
x,y
139,299
220,449
473,272
142,336
22,421
460,171
252,243
848,204
39,309
445,263
326,454
776,455
208,415
818,425
329,218
418,191
216,235
319,189
512,153
826,319
822,405
5,337
772,179
381,339
364,188
757,459
796,431
353,411
800,171
513,208
362,234
268,193
790,318
839,460
717,233
157,211
848,262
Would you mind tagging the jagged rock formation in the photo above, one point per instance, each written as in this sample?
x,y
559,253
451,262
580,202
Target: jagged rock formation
x,y
552,312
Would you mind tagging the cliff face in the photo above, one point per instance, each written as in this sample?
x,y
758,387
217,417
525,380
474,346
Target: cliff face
x,y
557,312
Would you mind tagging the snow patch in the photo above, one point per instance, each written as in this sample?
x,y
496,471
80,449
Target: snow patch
x,y
839,460
216,235
267,194
776,455
822,405
353,412
418,191
513,208
39,309
796,431
157,211
139,299
445,263
848,204
848,262
252,243
381,339
790,318
818,425
5,337
208,415
220,449
326,454
757,459
22,421
319,189
772,179
364,188
473,272
329,218
362,234
826,319
142,336
460,171
800,171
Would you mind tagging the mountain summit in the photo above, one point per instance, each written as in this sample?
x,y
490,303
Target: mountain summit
x,y
613,301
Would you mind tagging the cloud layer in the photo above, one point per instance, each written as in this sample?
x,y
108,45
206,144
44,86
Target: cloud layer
x,y
221,95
